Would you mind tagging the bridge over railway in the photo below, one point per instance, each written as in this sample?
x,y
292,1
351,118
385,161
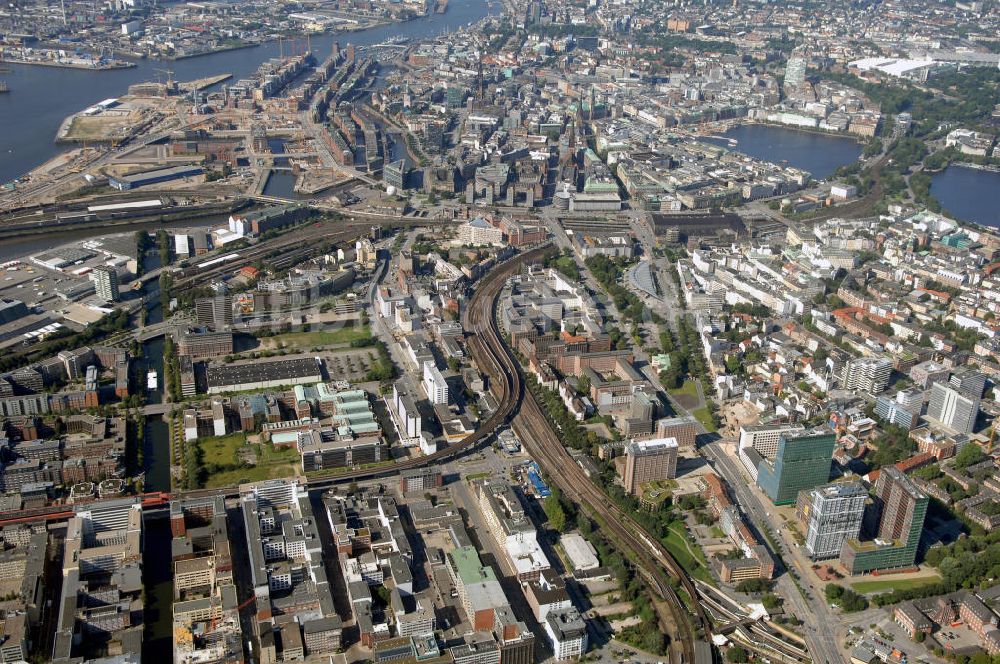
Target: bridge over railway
x,y
516,406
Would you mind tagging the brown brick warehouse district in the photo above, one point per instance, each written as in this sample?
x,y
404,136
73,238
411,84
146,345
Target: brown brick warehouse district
x,y
495,358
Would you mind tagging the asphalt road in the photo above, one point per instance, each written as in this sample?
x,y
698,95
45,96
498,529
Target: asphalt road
x,y
816,616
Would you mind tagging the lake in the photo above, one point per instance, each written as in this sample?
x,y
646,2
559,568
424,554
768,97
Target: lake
x,y
969,194
820,154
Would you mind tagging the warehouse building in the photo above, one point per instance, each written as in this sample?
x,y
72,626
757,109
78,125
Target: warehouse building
x,y
262,375
126,182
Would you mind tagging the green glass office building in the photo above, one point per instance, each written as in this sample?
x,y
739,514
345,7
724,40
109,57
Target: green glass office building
x,y
801,463
902,509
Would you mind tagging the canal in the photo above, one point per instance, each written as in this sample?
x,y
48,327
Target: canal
x,y
820,154
281,184
156,558
968,194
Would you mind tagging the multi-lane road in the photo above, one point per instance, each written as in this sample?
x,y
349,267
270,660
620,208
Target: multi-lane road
x,y
652,560
815,614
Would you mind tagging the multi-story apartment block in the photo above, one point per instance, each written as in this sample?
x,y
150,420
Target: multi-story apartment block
x,y
867,374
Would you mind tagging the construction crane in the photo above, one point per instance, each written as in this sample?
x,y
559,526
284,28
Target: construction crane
x,y
171,83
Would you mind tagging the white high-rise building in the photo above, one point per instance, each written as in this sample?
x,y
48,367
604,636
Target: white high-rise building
x,y
953,408
435,385
106,283
795,70
868,374
406,410
831,514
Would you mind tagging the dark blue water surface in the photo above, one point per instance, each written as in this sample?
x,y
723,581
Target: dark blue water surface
x,y
969,194
820,154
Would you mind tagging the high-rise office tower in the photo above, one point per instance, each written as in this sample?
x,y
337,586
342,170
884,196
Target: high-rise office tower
x,y
216,310
802,462
830,515
953,408
902,508
648,461
761,442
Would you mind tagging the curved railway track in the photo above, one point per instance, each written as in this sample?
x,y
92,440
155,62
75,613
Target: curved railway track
x,y
494,358
649,556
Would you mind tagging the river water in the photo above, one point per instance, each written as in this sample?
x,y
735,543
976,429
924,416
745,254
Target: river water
x,y
19,247
40,98
969,194
820,154
240,63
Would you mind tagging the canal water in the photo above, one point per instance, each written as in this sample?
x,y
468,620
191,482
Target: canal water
x,y
157,572
281,184
820,154
969,194
156,449
41,97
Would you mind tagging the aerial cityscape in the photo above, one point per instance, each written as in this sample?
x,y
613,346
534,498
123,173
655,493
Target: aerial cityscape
x,y
500,331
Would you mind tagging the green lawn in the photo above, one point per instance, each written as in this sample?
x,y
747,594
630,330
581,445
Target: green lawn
x,y
717,532
688,555
663,489
272,463
268,454
688,388
245,475
221,450
888,585
344,335
705,417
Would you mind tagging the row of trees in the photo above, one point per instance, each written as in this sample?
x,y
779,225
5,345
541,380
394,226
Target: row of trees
x,y
383,368
609,272
966,563
163,246
66,339
134,441
171,369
